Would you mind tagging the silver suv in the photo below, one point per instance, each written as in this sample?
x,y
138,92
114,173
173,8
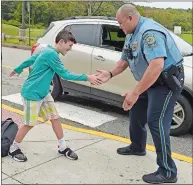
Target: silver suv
x,y
99,44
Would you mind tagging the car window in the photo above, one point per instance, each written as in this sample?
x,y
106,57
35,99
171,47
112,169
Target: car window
x,y
84,33
112,37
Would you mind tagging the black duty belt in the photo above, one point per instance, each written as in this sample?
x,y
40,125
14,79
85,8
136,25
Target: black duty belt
x,y
173,70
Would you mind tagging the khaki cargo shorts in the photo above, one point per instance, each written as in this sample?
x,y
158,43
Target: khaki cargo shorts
x,y
44,108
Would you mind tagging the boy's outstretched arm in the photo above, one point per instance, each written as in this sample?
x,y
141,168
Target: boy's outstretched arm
x,y
58,67
26,63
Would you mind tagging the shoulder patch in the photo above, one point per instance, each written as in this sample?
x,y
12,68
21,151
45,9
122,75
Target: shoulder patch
x,y
149,39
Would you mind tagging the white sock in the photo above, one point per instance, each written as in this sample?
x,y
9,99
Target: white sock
x,y
14,146
62,144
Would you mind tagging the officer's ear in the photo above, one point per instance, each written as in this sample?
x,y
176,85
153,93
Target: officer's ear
x,y
130,17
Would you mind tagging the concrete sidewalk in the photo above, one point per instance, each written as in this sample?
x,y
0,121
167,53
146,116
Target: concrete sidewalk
x,y
98,161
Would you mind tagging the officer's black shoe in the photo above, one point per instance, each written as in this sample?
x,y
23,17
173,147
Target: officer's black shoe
x,y
157,178
128,151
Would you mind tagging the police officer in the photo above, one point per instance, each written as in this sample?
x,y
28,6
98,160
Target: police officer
x,y
150,52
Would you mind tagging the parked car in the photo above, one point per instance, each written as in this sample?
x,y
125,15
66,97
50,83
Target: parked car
x,y
99,44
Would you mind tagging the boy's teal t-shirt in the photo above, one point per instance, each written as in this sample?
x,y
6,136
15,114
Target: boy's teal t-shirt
x,y
44,65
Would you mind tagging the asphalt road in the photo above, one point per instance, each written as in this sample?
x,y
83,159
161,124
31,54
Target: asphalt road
x,y
12,57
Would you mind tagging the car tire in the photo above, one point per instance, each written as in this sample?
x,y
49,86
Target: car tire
x,y
191,130
56,88
186,114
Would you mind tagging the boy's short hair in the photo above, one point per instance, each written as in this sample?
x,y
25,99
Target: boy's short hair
x,y
66,36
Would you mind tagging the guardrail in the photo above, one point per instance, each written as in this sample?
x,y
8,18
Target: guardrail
x,y
20,38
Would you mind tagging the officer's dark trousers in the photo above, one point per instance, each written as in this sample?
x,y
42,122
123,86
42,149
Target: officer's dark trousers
x,y
155,107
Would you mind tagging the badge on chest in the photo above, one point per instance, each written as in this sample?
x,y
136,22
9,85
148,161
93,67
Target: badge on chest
x,y
134,45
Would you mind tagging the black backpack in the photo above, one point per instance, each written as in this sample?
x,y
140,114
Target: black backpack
x,y
8,132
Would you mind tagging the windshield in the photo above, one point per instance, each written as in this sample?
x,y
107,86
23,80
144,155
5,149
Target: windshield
x,y
48,29
184,47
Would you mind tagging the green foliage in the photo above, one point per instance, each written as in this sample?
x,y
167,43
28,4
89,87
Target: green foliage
x,y
10,30
17,42
171,17
44,12
34,32
187,38
17,14
14,31
7,9
14,23
3,21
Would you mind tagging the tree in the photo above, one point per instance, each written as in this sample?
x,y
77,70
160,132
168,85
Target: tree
x,y
17,13
7,9
44,12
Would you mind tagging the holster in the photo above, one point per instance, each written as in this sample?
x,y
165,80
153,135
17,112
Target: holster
x,y
170,78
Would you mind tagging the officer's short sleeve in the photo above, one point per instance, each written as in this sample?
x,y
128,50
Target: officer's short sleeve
x,y
154,45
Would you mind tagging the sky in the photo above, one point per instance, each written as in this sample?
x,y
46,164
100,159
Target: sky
x,y
183,5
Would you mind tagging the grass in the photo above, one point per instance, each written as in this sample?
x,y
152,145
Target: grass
x,y
16,42
114,37
14,31
35,32
11,41
10,30
187,38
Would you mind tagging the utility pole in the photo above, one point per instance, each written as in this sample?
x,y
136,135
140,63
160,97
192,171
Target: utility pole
x,y
23,27
23,15
28,9
89,9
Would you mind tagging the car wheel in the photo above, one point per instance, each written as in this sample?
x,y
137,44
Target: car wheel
x,y
182,117
191,131
56,88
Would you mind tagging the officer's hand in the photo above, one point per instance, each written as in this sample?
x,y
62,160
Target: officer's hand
x,y
94,79
130,100
103,75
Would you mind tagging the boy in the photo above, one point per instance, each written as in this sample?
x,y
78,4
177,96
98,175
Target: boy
x,y
35,92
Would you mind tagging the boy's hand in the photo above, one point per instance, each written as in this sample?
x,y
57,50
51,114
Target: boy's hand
x,y
94,79
12,73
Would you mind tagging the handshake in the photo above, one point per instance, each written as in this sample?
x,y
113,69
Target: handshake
x,y
100,77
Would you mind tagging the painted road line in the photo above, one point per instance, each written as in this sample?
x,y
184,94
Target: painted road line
x,y
11,67
102,134
78,114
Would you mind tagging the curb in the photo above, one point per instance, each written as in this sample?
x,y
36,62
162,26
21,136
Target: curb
x,y
101,134
16,46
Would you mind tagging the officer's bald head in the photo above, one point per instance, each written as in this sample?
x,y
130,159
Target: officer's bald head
x,y
128,10
128,18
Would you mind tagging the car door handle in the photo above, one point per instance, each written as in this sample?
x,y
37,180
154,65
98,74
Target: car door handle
x,y
99,57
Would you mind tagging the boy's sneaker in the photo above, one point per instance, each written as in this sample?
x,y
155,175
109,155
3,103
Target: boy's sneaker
x,y
69,154
18,155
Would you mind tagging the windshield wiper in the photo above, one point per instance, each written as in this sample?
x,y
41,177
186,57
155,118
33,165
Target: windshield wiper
x,y
187,55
